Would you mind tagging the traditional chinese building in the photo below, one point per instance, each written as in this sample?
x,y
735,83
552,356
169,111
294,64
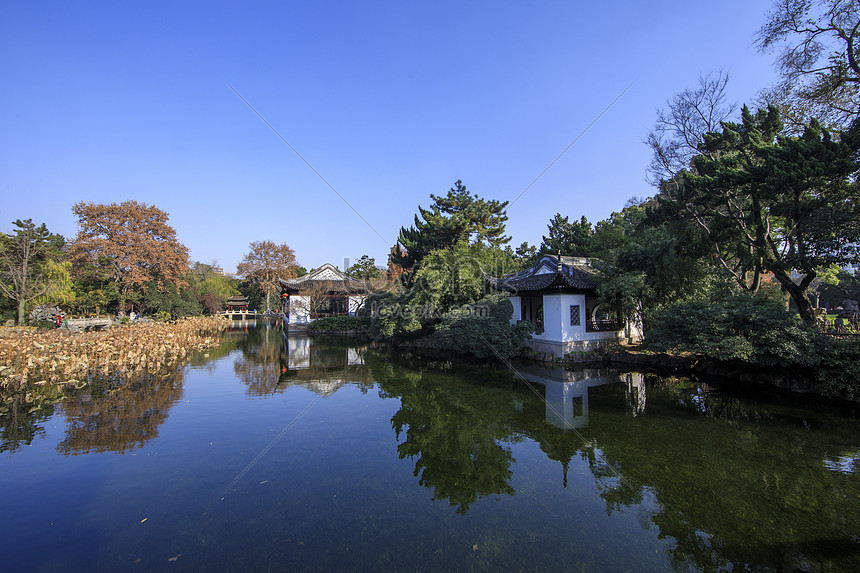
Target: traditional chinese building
x,y
325,291
558,295
237,307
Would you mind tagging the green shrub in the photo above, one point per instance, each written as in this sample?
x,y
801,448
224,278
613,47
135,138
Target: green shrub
x,y
339,324
750,329
483,329
839,372
396,316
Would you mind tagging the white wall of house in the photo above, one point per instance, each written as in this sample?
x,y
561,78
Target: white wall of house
x,y
354,303
556,319
518,309
299,309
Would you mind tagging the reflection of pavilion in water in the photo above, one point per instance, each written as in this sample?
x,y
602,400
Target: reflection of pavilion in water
x,y
320,367
566,392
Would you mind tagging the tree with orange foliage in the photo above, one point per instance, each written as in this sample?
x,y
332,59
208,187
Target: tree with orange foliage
x,y
266,263
129,243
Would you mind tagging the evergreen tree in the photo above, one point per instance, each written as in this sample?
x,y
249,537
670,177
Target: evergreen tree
x,y
24,266
456,217
569,239
785,205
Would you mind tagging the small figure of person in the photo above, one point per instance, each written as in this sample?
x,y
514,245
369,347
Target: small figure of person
x,y
131,315
59,320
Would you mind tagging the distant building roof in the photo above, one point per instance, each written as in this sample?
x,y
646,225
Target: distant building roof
x,y
547,273
326,278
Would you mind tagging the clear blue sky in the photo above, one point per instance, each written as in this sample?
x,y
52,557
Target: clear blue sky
x,y
390,101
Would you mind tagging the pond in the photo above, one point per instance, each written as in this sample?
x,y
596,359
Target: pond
x,y
288,453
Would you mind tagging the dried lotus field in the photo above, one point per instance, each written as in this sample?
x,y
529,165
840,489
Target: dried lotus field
x,y
32,357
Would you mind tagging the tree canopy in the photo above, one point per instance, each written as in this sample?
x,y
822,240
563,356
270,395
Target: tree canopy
x,y
26,255
129,243
769,202
458,216
365,268
569,239
265,264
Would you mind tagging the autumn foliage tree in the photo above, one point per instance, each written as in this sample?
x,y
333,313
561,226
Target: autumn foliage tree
x,y
265,264
130,244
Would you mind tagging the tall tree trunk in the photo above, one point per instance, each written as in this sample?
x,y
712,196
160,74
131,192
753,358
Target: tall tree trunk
x,y
21,308
797,292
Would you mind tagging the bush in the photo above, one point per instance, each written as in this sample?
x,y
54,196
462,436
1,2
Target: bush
x,y
839,373
483,329
753,330
339,324
395,316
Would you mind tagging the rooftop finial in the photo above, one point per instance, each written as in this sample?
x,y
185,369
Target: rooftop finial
x,y
559,260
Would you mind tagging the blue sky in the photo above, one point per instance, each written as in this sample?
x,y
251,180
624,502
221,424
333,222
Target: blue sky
x,y
389,101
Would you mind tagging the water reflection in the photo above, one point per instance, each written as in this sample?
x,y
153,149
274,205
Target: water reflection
x,y
273,360
22,419
118,418
732,483
566,392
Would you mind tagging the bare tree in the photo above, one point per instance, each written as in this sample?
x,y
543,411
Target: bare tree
x,y
680,128
818,61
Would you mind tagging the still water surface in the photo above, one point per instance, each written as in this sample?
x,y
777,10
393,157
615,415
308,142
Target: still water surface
x,y
278,453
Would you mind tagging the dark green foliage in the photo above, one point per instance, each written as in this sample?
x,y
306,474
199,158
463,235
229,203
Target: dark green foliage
x,y
339,324
569,239
649,262
169,301
375,301
524,256
256,296
847,288
397,317
24,257
483,329
364,268
774,203
839,372
749,329
458,216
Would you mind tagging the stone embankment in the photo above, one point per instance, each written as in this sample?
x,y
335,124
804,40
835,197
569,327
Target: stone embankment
x,y
29,356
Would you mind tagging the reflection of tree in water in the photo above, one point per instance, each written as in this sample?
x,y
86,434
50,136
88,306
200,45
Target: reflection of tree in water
x,y
259,368
745,490
20,421
121,419
453,433
735,484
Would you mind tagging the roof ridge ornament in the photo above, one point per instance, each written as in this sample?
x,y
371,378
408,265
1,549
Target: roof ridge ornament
x,y
559,261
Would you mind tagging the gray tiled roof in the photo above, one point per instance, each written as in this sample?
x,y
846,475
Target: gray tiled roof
x,y
575,273
326,278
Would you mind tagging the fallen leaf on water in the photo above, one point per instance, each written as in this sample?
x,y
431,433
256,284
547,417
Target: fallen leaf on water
x,y
265,481
175,557
144,519
475,547
138,560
